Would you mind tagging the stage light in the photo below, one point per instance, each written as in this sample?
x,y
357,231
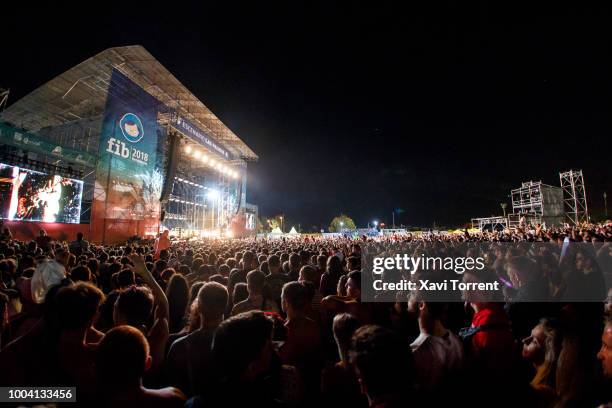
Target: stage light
x,y
197,154
204,159
213,163
234,174
375,223
212,194
188,149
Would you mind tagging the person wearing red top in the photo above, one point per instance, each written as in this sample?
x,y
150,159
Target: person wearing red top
x,y
161,243
492,345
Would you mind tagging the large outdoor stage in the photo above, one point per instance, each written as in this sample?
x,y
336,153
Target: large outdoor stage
x,y
117,147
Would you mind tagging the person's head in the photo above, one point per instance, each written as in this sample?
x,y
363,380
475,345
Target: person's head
x,y
521,270
308,273
353,285
160,265
212,301
322,262
334,266
255,282
344,327
382,360
274,264
77,306
293,298
247,260
474,296
428,306
605,353
42,233
133,306
80,273
353,263
224,270
122,358
542,349
237,359
177,293
294,262
126,278
79,236
240,292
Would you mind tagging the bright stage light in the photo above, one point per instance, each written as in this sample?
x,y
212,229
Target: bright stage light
x,y
234,174
213,162
212,194
229,234
204,159
197,154
188,149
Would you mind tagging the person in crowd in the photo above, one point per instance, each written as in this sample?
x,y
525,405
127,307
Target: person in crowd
x,y
134,306
241,292
302,347
351,303
72,360
79,246
188,363
294,267
339,385
605,356
247,372
44,241
438,353
256,300
542,349
177,293
384,367
121,361
329,279
276,279
162,244
308,273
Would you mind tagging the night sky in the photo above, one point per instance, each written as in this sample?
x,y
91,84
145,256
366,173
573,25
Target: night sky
x,y
437,108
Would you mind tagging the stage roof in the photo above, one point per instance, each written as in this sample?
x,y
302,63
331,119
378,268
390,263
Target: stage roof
x,y
79,95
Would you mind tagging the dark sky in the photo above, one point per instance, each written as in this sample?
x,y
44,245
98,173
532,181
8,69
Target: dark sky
x,y
437,108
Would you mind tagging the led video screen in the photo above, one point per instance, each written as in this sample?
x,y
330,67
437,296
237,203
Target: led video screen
x,y
29,195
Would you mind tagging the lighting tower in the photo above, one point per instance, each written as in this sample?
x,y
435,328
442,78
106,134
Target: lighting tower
x,y
574,196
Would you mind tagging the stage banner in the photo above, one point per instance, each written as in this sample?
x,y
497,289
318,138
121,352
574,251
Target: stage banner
x,y
129,177
31,142
186,127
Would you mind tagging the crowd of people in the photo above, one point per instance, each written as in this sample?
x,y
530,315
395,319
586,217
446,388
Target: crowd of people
x,y
258,322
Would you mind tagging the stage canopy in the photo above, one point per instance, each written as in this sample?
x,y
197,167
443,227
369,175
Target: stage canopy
x,y
69,108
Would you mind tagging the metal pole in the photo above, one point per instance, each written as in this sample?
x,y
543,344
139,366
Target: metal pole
x,y
393,217
606,203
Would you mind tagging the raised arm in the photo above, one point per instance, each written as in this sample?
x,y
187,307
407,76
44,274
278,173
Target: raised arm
x,y
162,309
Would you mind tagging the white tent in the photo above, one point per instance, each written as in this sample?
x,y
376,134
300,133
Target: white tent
x,y
276,231
293,231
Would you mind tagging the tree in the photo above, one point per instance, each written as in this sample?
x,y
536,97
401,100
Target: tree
x,y
341,222
262,225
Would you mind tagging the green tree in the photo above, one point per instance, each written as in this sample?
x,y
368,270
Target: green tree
x,y
262,225
341,222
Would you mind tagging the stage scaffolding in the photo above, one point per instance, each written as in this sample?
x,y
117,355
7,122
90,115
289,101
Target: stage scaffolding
x,y
574,196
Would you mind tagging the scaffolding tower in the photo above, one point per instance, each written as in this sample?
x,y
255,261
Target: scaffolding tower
x,y
574,196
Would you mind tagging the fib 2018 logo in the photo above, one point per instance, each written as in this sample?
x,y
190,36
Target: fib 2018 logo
x,y
133,131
